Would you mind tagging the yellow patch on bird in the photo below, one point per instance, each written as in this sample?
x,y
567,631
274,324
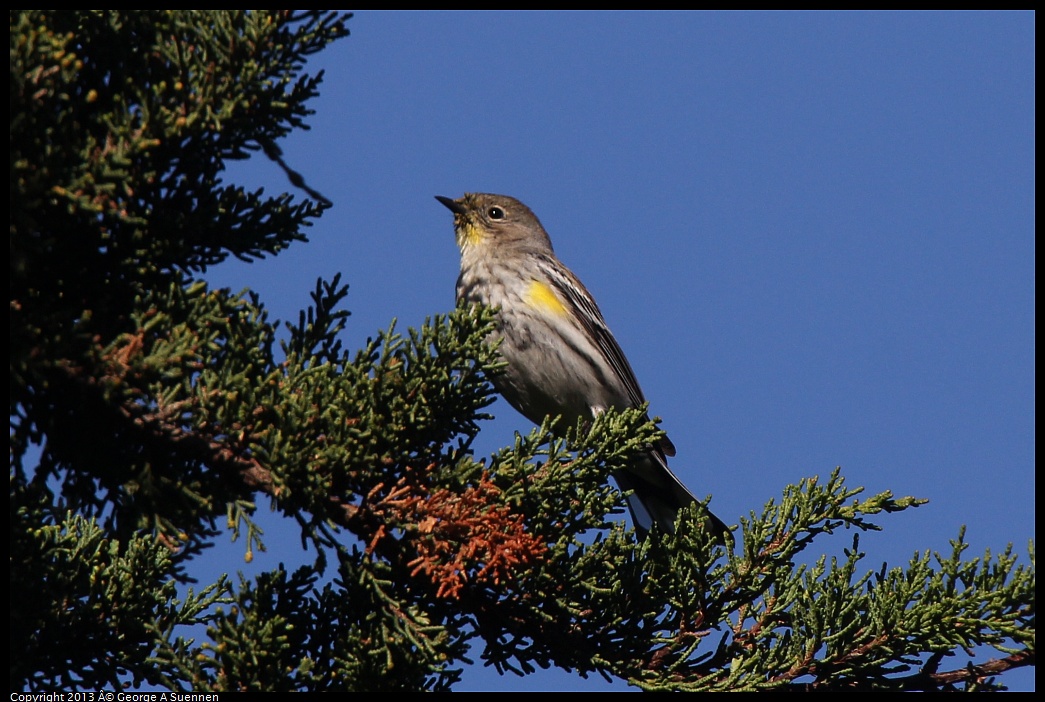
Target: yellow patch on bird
x,y
469,235
541,295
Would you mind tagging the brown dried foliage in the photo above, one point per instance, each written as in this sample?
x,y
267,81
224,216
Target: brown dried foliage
x,y
455,537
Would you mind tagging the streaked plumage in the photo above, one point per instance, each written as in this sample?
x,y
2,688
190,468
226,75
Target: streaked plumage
x,y
562,358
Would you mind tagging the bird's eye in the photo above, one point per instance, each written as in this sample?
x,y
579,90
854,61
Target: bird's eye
x,y
495,213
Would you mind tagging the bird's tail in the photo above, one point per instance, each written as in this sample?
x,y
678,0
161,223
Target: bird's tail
x,y
657,495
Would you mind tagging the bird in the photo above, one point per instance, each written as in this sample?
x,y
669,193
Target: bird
x,y
562,360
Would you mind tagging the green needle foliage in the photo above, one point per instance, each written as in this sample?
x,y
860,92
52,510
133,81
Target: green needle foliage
x,y
149,413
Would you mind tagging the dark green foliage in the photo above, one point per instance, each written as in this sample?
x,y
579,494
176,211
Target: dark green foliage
x,y
149,412
87,610
120,127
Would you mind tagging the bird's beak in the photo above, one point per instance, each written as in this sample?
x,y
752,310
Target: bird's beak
x,y
452,205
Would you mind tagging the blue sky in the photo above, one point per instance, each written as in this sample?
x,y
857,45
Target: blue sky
x,y
812,234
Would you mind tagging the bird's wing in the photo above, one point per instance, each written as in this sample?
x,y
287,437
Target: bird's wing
x,y
587,311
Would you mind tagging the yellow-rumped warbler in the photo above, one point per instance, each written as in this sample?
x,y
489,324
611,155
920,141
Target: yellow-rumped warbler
x,y
561,357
